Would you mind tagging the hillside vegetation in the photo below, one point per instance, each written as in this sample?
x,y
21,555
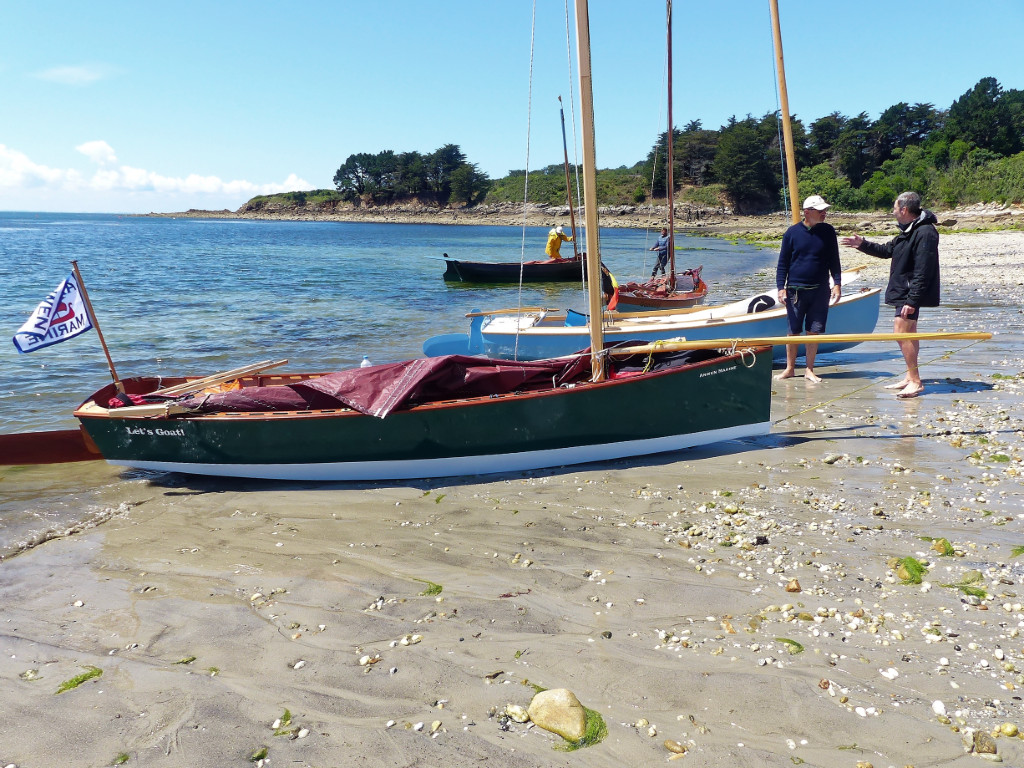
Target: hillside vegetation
x,y
972,152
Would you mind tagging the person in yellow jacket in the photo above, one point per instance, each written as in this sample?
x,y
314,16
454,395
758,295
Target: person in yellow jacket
x,y
555,238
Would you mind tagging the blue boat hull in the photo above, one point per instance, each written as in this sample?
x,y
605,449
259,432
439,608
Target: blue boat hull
x,y
857,313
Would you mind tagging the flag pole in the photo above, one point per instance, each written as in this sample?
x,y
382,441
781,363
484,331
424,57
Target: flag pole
x,y
96,325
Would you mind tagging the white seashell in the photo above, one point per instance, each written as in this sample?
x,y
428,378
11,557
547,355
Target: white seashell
x,y
255,596
889,674
938,708
303,733
418,727
78,603
943,662
299,664
389,724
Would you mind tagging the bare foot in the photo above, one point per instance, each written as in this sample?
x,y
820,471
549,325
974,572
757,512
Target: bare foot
x,y
901,384
911,390
812,377
786,374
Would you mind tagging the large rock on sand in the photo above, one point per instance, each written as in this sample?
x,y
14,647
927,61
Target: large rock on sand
x,y
559,711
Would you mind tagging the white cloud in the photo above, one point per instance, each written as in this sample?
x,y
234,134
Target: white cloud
x,y
83,75
99,152
17,170
21,179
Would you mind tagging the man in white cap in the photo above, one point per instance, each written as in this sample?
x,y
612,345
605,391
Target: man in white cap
x,y
555,238
809,254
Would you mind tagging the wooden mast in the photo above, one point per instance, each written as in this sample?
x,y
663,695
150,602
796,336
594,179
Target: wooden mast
x,y
787,129
96,324
671,191
568,182
593,263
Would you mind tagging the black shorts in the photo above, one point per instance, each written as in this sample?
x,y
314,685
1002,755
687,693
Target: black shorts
x,y
912,316
807,309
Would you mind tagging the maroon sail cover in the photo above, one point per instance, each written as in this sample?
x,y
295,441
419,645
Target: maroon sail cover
x,y
380,389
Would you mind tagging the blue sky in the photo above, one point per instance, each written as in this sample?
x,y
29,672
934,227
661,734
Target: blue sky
x,y
137,107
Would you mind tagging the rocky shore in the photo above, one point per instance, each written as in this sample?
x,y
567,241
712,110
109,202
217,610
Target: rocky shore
x,y
689,219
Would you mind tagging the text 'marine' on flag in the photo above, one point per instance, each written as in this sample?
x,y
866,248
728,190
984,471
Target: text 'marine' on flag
x,y
60,316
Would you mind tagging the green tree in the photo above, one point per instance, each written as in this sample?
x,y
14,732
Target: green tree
x,y
982,118
852,150
900,126
353,175
410,174
656,165
743,167
822,180
439,165
468,184
824,138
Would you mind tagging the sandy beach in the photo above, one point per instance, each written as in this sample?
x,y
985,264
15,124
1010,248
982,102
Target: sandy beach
x,y
752,601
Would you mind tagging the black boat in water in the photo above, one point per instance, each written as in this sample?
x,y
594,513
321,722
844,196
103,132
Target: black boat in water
x,y
542,271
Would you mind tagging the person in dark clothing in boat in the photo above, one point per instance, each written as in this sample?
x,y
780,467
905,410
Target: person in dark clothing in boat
x,y
913,278
661,246
809,254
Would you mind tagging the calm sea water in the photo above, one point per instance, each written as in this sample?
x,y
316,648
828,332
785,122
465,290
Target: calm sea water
x,y
199,296
195,296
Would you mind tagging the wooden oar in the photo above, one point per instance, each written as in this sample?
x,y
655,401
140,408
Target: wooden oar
x,y
219,378
671,345
523,310
52,447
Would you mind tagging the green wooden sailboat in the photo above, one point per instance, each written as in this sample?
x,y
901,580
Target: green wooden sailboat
x,y
440,416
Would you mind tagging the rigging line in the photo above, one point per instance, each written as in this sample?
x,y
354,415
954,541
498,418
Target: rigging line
x,y
778,130
526,176
654,166
872,383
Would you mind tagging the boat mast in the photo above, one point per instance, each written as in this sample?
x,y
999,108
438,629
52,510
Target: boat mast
x,y
787,129
595,304
568,183
671,193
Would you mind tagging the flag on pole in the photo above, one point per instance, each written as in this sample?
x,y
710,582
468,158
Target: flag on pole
x,y
60,316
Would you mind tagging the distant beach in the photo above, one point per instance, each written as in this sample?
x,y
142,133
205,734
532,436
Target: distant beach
x,y
847,591
719,222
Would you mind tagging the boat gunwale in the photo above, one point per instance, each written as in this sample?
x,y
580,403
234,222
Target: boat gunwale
x,y
660,323
91,410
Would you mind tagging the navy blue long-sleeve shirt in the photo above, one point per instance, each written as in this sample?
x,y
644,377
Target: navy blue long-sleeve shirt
x,y
808,257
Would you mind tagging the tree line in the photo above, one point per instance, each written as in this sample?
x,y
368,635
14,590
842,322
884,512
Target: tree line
x,y
973,151
443,176
968,152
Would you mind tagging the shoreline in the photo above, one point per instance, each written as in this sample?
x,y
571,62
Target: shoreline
x,y
715,223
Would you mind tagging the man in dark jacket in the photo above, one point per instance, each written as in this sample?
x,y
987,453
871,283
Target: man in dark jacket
x,y
809,254
913,278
